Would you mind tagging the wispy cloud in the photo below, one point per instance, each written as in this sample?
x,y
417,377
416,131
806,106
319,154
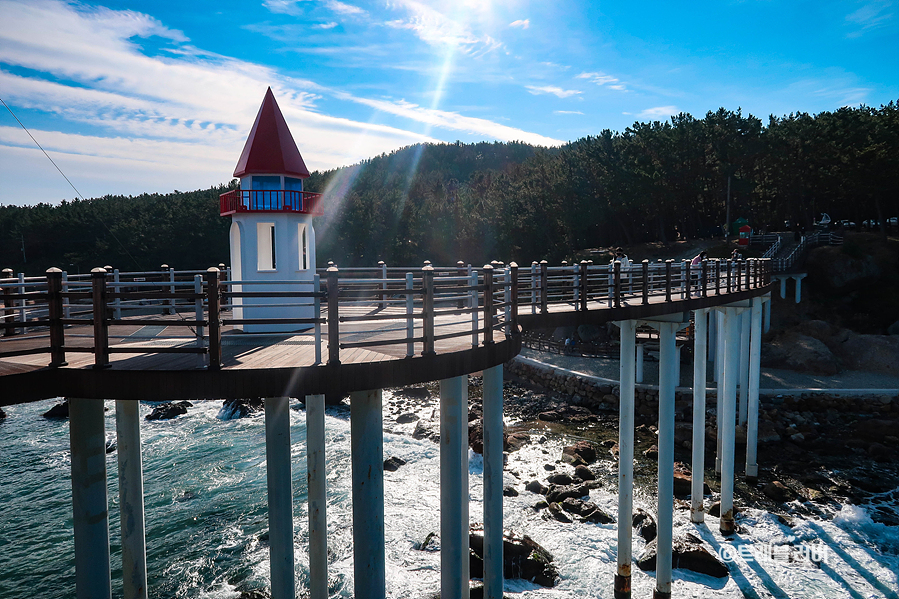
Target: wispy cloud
x,y
453,120
345,9
435,28
602,79
567,112
871,15
658,112
283,7
552,89
522,23
330,25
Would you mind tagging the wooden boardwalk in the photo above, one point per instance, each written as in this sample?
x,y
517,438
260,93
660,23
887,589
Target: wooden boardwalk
x,y
376,347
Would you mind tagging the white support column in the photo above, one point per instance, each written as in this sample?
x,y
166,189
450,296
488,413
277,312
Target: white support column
x,y
118,301
639,377
798,279
783,286
666,459
23,315
131,500
700,346
493,482
367,448
622,584
767,303
316,476
744,366
454,487
727,417
719,379
90,515
677,352
755,356
712,349
280,505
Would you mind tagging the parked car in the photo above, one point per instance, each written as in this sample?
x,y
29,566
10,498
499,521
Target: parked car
x,y
893,221
846,224
870,224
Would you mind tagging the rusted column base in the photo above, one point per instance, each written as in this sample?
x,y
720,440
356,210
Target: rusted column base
x,y
657,594
726,525
622,587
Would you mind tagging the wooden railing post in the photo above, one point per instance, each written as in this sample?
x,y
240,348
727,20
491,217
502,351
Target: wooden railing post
x,y
333,317
410,311
617,283
544,286
427,279
488,302
645,264
687,269
513,273
704,273
584,286
461,271
101,326
717,276
668,280
317,311
54,305
215,318
382,302
8,313
727,266
534,287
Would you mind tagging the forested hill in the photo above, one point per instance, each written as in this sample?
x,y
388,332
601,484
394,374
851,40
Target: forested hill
x,y
512,201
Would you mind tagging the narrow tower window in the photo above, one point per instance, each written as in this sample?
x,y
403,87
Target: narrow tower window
x,y
265,246
304,247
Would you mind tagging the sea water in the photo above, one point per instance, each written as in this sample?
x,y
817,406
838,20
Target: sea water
x,y
205,497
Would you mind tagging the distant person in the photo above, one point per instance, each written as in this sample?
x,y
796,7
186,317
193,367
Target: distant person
x,y
736,255
697,260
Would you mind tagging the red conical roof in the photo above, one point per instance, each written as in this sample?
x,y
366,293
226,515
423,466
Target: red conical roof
x,y
270,149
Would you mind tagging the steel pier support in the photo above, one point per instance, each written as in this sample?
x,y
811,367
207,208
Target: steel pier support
x,y
700,347
668,354
639,377
727,416
367,448
131,500
315,474
719,395
454,487
493,482
625,458
90,512
755,355
280,505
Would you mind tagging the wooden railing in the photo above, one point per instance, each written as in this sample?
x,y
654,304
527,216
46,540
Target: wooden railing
x,y
60,314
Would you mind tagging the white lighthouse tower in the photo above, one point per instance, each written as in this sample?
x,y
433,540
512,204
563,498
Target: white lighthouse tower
x,y
272,239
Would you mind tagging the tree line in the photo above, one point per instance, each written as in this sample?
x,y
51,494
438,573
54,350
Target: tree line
x,y
655,181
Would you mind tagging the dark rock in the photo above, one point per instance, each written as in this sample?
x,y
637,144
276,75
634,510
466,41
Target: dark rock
x,y
169,410
584,473
522,558
404,418
598,516
111,445
414,392
549,467
393,463
652,453
559,478
558,513
687,553
715,509
425,430
644,524
240,408
540,505
800,352
582,449
60,410
534,486
560,493
2,414
587,510
515,441
550,416
509,491
778,491
431,543
254,594
873,353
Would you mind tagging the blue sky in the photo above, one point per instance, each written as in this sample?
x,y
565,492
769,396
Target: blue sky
x,y
153,96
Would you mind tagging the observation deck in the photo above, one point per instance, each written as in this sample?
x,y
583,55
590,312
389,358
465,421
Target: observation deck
x,y
278,200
